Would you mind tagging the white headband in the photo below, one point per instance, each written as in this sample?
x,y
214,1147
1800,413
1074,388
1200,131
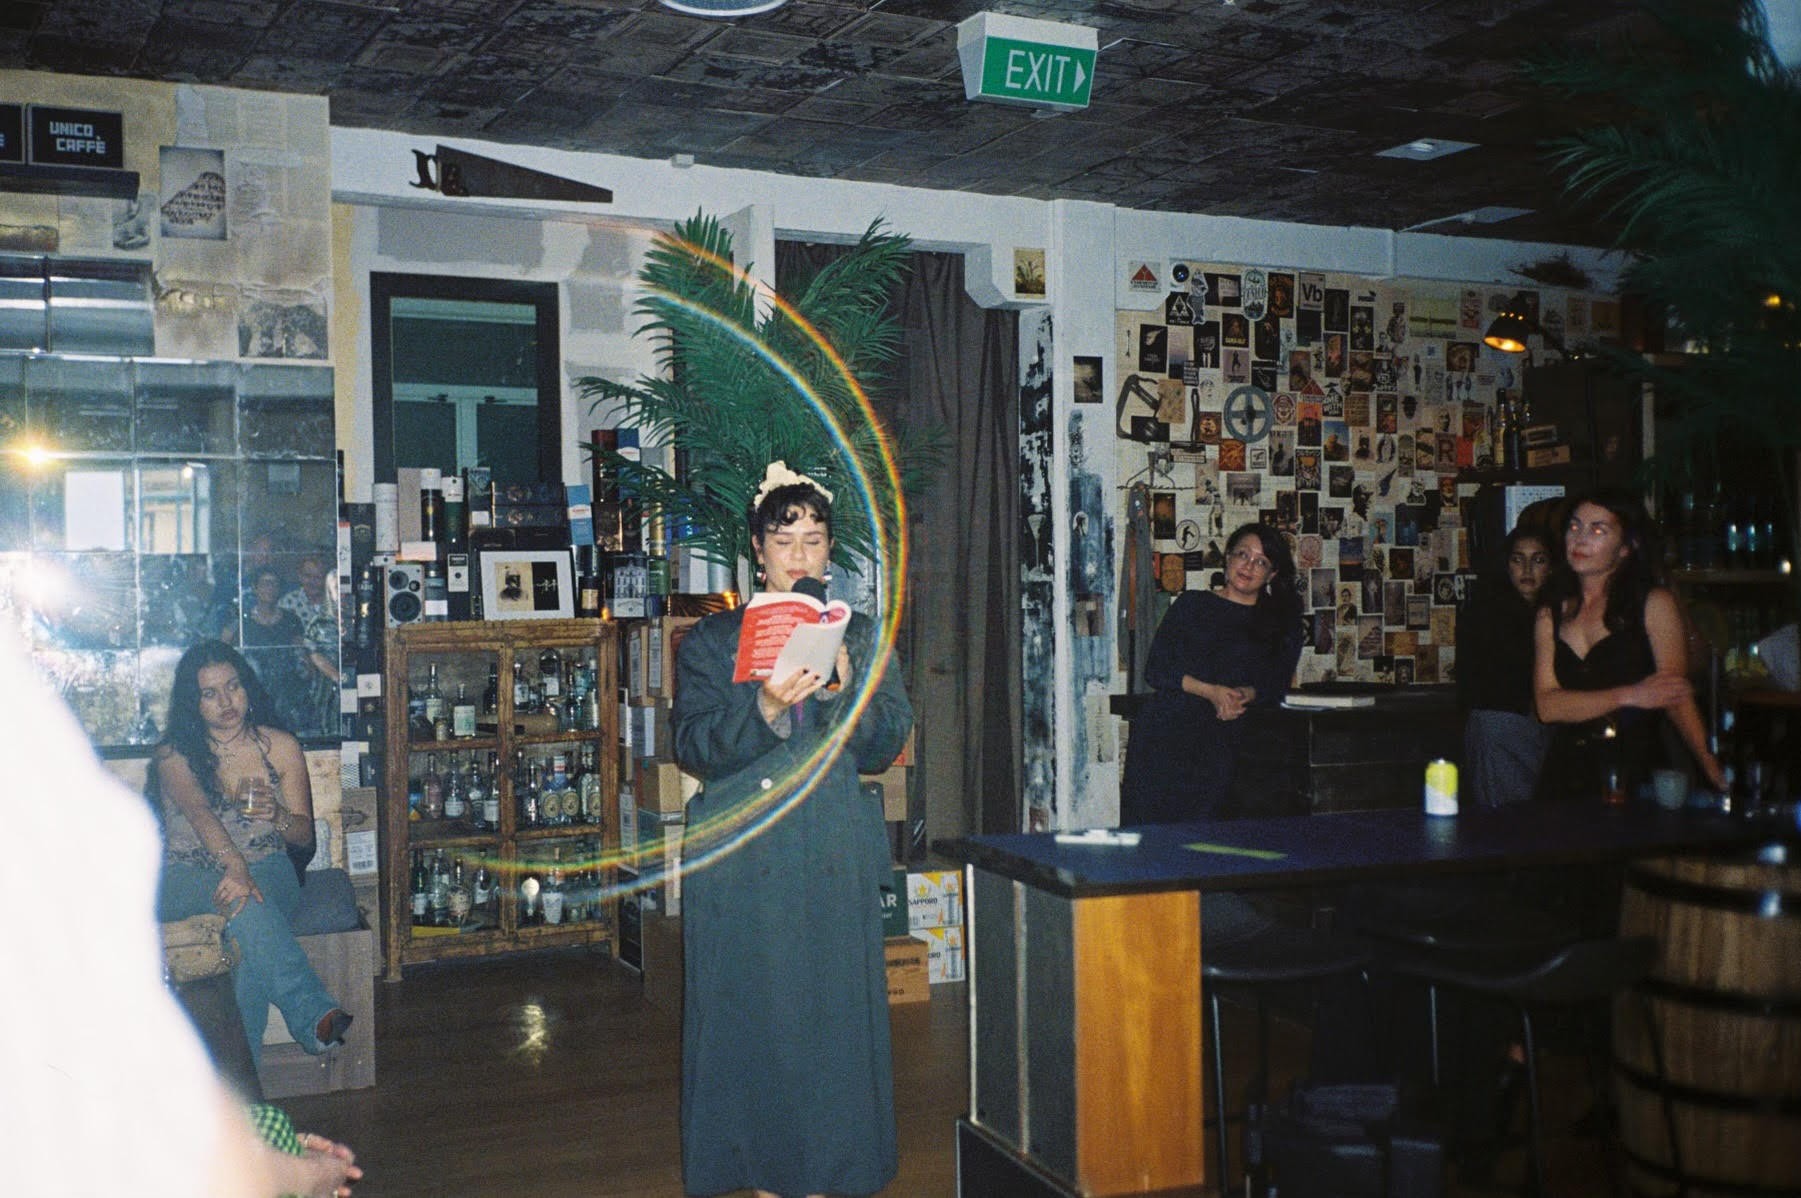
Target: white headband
x,y
778,475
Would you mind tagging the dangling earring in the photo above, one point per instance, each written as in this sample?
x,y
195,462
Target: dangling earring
x,y
827,576
762,576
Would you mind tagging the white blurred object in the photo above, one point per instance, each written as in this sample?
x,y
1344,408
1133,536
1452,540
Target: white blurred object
x,y
1781,654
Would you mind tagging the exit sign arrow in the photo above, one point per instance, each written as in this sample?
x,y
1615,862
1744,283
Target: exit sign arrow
x,y
1015,60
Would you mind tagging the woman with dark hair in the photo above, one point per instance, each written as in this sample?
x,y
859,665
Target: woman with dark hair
x,y
236,804
787,1077
1215,654
1503,743
1611,652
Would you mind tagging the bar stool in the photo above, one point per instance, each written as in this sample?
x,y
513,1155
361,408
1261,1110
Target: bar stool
x,y
1271,957
1585,973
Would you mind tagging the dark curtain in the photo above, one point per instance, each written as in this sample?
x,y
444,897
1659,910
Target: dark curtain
x,y
960,637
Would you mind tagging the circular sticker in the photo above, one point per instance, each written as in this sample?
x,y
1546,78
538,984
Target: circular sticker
x,y
1249,413
1188,535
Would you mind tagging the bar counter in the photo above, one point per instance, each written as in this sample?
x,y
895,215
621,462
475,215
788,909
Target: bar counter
x,y
1297,762
1085,980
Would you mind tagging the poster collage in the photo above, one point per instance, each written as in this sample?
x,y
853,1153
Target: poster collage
x,y
1354,416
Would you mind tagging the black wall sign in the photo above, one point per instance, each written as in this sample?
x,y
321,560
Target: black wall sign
x,y
77,137
12,133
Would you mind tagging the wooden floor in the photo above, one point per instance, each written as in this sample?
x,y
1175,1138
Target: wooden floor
x,y
551,1076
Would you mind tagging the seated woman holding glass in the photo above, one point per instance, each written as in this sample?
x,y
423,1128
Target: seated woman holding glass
x,y
237,811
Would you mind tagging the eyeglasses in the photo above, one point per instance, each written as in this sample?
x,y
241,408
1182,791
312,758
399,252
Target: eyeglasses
x,y
1256,561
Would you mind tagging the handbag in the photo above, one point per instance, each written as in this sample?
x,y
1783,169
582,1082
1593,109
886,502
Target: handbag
x,y
195,948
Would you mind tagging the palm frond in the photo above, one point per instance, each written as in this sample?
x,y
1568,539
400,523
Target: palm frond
x,y
734,380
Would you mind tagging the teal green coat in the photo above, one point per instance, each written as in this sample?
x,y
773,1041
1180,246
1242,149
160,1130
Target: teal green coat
x,y
787,1080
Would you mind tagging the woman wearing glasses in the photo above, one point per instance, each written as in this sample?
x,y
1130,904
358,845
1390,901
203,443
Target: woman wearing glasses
x,y
1215,654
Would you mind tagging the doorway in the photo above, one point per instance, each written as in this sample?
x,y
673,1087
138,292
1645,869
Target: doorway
x,y
465,372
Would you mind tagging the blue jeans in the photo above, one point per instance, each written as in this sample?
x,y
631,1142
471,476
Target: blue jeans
x,y
271,966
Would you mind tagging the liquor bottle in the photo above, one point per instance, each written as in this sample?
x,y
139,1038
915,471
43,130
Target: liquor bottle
x,y
460,898
456,798
431,794
491,793
528,796
550,675
587,584
421,887
482,894
456,519
591,708
1733,517
462,714
475,788
553,896
439,913
559,803
434,698
491,693
431,506
531,910
588,794
522,687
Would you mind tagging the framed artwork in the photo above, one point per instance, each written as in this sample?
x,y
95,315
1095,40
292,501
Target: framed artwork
x,y
527,584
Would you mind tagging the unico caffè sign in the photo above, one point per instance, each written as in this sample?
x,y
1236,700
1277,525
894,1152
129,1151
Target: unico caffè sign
x,y
62,136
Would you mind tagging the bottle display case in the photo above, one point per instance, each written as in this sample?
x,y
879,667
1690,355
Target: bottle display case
x,y
499,816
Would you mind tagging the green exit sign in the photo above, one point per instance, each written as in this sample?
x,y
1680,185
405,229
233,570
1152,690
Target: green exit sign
x,y
1016,60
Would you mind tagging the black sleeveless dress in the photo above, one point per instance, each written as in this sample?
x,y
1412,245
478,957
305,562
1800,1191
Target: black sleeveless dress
x,y
1576,766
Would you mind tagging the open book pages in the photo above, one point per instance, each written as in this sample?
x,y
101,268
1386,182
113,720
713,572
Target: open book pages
x,y
784,632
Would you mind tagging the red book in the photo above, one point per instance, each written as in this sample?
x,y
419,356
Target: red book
x,y
784,632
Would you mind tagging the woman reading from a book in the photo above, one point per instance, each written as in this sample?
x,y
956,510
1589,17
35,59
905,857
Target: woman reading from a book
x,y
787,1081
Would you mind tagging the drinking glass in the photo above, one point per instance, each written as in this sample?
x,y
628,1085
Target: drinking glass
x,y
255,798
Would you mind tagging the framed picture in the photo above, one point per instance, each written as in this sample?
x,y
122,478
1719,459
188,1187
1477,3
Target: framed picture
x,y
527,584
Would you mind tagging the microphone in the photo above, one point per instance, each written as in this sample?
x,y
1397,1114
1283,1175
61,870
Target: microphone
x,y
814,589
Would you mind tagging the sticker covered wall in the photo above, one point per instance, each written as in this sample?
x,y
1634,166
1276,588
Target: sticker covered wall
x,y
1356,416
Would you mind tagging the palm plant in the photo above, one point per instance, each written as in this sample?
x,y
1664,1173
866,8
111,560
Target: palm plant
x,y
1702,176
740,375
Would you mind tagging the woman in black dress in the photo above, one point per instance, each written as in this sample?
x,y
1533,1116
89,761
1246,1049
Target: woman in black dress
x,y
1215,654
1611,653
1503,743
786,1069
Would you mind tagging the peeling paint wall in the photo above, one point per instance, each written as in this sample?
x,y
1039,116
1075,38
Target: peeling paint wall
x,y
1037,587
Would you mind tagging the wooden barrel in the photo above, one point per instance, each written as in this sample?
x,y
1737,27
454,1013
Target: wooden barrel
x,y
1726,997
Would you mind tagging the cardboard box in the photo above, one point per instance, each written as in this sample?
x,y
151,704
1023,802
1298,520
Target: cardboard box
x,y
646,676
908,750
907,978
674,629
892,785
1548,455
894,904
935,899
944,954
659,859
665,786
649,727
662,958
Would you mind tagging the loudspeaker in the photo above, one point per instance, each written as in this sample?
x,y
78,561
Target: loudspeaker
x,y
404,595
